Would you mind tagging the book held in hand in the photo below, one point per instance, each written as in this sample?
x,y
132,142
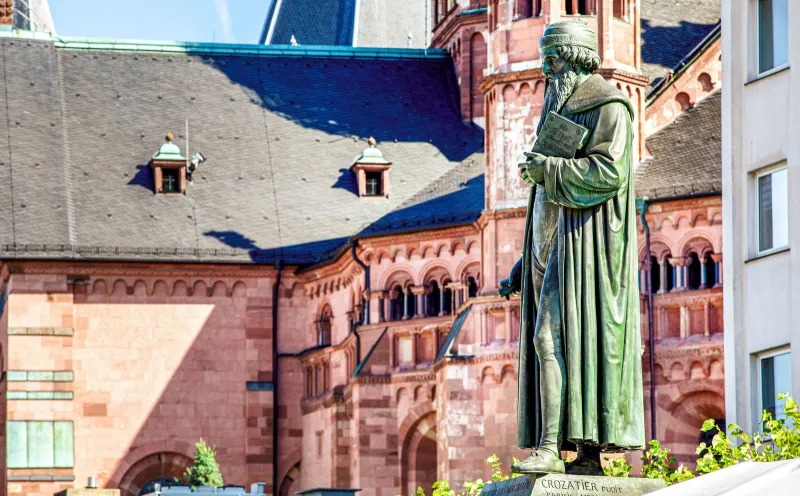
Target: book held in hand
x,y
560,137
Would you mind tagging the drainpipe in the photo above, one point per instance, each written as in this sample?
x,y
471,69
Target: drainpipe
x,y
641,206
275,374
353,245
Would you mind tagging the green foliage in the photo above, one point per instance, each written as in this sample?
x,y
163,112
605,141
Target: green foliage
x,y
205,470
474,488
779,440
617,467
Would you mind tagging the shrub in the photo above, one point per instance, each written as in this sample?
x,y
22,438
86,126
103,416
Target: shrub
x,y
779,440
205,470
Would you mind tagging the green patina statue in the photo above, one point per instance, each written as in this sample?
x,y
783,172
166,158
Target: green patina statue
x,y
578,273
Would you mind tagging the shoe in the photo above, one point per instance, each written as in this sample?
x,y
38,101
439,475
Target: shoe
x,y
541,461
584,466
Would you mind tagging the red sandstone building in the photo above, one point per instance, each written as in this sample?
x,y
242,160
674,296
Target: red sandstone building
x,y
320,306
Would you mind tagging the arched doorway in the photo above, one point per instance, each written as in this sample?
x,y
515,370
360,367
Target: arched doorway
x,y
419,456
288,485
158,467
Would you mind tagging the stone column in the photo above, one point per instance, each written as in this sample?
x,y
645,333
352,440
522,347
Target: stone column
x,y
678,273
643,279
717,258
707,318
419,293
381,297
662,264
367,298
405,304
508,324
703,282
441,301
684,321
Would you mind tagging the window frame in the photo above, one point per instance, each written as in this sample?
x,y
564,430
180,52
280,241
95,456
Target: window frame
x,y
378,177
757,175
53,423
759,399
757,38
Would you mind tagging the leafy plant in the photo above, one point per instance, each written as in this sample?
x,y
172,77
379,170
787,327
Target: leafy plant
x,y
778,440
205,470
617,467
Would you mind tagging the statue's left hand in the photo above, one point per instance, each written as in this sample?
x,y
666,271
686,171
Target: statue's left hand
x,y
532,171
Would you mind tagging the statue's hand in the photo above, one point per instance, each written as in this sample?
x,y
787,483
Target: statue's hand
x,y
512,286
532,170
507,289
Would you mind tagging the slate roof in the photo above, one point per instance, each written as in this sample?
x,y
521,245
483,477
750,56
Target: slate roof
x,y
673,28
280,129
687,154
364,23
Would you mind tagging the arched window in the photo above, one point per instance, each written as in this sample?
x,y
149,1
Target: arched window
x,y
579,7
693,272
448,298
324,327
162,482
473,287
411,298
434,300
670,272
711,278
396,303
655,275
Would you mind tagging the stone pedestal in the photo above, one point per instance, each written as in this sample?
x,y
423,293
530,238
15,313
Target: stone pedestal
x,y
88,492
320,491
572,485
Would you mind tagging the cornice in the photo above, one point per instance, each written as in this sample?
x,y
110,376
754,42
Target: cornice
x,y
132,269
459,21
509,77
506,213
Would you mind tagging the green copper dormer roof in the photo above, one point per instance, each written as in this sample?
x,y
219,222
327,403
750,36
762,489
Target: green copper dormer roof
x,y
372,155
169,151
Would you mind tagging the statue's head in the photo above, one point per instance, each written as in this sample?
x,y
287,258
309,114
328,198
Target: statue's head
x,y
568,50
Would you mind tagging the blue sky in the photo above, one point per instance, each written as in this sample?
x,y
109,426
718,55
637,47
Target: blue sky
x,y
234,21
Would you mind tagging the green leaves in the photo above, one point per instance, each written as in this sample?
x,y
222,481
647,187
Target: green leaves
x,y
205,470
778,440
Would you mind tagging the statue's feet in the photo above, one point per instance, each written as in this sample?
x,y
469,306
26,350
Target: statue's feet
x,y
584,466
541,461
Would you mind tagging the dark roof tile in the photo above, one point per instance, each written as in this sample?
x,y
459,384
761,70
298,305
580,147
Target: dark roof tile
x,y
687,154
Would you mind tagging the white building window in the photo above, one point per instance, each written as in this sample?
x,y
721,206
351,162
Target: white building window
x,y
773,34
772,210
775,377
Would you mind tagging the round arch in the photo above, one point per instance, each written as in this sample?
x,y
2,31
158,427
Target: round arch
x,y
153,467
419,453
401,274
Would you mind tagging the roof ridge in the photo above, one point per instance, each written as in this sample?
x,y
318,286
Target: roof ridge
x,y
209,48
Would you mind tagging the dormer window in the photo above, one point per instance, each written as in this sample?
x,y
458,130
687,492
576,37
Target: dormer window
x,y
374,180
372,172
169,169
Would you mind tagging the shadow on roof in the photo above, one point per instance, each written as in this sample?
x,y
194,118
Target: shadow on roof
x,y
666,46
403,100
463,205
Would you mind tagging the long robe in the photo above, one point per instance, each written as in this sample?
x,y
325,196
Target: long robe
x,y
598,281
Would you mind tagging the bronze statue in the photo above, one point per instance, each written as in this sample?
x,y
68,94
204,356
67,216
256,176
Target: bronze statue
x,y
577,277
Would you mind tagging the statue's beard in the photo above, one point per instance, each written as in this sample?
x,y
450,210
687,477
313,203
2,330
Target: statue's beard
x,y
559,90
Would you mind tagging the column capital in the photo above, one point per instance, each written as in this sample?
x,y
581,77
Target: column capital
x,y
678,261
716,257
418,290
377,294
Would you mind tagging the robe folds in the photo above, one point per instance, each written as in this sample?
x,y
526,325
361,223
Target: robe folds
x,y
595,247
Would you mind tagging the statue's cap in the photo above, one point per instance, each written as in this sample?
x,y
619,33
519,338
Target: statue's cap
x,y
574,32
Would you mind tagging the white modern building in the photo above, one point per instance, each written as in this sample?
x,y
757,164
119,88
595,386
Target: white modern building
x,y
760,158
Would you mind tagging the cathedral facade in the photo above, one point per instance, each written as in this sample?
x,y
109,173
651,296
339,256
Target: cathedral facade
x,y
304,272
